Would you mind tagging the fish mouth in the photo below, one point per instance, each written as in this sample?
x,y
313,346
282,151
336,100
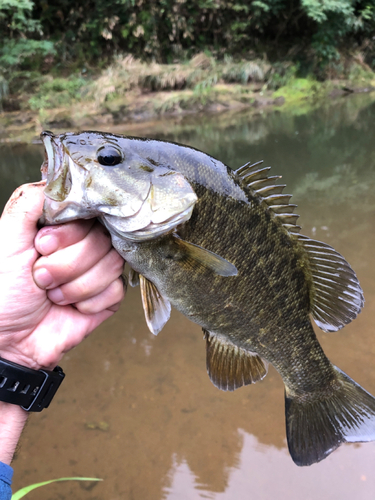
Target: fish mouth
x,y
53,157
55,168
63,192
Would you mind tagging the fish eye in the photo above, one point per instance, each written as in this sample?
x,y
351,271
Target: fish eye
x,y
109,156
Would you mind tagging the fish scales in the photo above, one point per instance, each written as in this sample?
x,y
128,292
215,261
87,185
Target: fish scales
x,y
261,251
229,257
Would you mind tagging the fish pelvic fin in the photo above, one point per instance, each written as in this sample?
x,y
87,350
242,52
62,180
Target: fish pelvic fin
x,y
157,309
317,424
133,278
229,366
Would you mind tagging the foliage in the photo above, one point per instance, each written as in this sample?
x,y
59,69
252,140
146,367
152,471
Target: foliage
x,y
24,491
65,35
57,92
297,89
336,21
17,26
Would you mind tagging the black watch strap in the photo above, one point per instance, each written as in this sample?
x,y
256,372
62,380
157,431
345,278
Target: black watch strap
x,y
31,389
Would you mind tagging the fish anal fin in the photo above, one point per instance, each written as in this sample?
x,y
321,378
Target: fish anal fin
x,y
316,424
337,296
157,309
229,366
194,255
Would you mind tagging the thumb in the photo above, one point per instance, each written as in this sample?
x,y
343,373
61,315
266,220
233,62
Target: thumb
x,y
19,220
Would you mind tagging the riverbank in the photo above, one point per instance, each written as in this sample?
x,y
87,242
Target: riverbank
x,y
132,93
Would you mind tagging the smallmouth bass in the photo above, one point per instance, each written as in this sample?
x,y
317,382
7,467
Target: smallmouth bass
x,y
223,247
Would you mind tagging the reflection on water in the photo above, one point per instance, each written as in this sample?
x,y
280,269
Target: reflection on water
x,y
248,478
140,411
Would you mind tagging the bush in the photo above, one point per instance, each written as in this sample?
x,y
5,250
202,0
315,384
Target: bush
x,y
58,92
169,30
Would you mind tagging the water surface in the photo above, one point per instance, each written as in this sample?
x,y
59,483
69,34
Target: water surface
x,y
140,411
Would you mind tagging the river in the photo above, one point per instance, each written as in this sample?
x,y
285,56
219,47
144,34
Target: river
x,y
140,412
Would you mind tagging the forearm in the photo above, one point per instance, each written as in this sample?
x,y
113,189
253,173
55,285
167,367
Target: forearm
x,y
12,421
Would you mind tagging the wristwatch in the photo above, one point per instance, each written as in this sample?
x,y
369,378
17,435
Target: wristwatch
x,y
33,390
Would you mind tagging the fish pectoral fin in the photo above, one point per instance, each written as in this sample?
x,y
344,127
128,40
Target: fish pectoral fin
x,y
229,366
157,309
337,296
194,255
133,277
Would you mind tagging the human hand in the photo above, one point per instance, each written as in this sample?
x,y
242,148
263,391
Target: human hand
x,y
56,284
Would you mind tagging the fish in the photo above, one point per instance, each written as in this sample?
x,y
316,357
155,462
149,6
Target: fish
x,y
223,247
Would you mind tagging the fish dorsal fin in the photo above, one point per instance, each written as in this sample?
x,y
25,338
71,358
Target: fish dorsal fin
x,y
133,277
337,296
229,366
194,255
157,309
266,187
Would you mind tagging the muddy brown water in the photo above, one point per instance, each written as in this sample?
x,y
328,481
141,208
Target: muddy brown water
x,y
140,411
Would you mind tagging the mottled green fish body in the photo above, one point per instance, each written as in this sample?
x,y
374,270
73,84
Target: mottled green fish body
x,y
223,247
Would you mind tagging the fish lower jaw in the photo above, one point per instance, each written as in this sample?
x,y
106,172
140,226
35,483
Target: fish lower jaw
x,y
54,213
152,230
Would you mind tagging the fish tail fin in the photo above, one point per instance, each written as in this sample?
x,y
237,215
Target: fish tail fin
x,y
318,423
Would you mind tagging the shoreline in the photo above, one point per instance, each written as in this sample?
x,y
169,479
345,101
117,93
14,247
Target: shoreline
x,y
139,110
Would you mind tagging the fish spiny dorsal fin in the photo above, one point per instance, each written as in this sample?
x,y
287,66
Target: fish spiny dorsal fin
x,y
337,296
256,175
157,309
229,366
271,190
247,168
270,193
264,182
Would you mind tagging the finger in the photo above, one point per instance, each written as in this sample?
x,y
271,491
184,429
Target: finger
x,y
110,299
20,217
52,238
62,331
69,263
75,336
91,283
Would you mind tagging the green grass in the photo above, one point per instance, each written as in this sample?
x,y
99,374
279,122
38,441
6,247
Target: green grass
x,y
24,491
57,93
298,89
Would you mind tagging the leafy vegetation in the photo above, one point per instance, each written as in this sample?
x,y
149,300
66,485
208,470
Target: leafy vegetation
x,y
263,41
164,30
57,92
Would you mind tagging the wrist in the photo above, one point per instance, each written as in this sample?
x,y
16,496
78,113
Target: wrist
x,y
19,358
12,421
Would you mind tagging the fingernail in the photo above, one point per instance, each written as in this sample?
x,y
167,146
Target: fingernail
x,y
48,244
56,295
43,278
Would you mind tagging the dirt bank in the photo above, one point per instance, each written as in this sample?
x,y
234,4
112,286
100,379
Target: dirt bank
x,y
137,107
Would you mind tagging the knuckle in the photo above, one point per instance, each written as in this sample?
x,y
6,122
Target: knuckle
x,y
80,291
84,307
117,261
115,307
119,289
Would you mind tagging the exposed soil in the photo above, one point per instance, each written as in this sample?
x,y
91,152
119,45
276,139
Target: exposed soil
x,y
138,107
